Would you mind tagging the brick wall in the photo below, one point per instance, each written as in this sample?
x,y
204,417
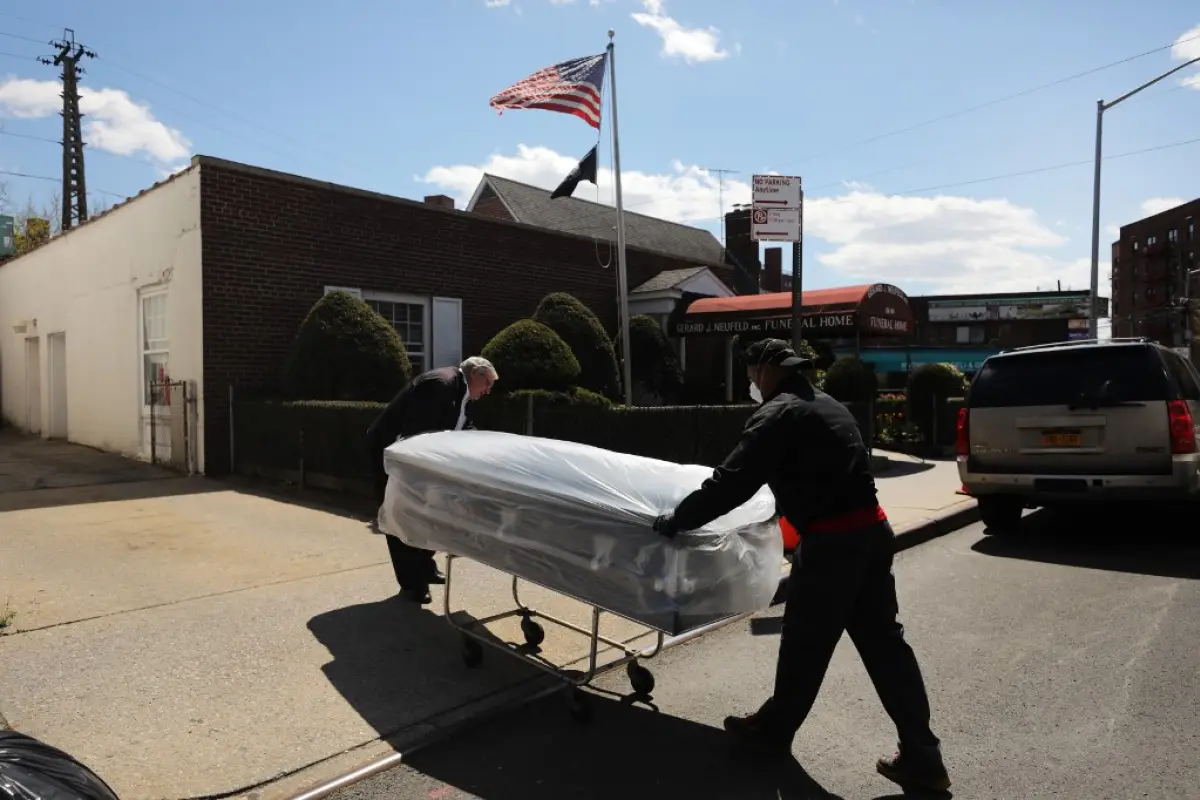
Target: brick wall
x,y
271,243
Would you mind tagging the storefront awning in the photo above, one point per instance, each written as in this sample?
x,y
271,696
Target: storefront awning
x,y
878,309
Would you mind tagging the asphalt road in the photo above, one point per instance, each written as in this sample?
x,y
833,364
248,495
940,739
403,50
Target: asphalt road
x,y
1063,663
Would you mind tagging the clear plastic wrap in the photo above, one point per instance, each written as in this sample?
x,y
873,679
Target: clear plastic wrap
x,y
577,520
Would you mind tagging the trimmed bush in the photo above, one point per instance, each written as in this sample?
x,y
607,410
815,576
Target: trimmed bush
x,y
345,351
583,333
654,367
929,387
851,380
509,412
529,355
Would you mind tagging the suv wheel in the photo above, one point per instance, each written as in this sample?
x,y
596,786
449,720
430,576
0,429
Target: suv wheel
x,y
1001,514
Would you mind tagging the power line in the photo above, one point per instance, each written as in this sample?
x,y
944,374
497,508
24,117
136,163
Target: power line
x,y
20,56
971,182
1051,168
22,38
57,180
997,101
27,136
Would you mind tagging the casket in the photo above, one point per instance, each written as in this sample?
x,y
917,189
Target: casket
x,y
577,520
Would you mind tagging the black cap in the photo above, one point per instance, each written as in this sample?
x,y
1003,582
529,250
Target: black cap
x,y
774,353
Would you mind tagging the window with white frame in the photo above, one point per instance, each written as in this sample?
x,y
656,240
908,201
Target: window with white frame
x,y
155,345
410,317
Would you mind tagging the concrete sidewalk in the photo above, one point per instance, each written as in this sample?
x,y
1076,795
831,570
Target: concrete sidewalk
x,y
188,639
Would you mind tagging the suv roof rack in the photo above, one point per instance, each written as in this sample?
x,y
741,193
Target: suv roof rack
x,y
1082,342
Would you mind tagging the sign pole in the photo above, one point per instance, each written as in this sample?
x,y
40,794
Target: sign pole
x,y
778,216
798,281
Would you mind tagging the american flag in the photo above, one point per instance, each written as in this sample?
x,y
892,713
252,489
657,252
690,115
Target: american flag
x,y
572,87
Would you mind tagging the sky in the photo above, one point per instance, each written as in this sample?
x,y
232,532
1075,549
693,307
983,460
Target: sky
x,y
944,147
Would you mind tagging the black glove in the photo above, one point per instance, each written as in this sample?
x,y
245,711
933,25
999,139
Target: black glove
x,y
665,525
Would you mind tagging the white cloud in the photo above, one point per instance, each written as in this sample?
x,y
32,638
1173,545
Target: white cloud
x,y
693,45
1157,205
943,243
112,120
1187,47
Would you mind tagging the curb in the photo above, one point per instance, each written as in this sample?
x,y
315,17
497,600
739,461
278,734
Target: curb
x,y
967,513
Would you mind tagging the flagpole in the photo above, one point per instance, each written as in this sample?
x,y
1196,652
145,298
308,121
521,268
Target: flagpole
x,y
622,279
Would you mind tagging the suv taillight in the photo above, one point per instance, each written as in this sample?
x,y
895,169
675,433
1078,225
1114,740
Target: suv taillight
x,y
1183,431
962,433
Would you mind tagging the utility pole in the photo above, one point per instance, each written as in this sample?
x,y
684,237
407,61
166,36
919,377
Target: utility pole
x,y
74,181
721,173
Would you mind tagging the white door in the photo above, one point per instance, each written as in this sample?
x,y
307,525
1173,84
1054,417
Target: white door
x,y
57,347
33,385
447,332
155,370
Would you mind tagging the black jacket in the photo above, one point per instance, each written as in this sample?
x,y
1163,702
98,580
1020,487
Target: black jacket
x,y
806,446
430,402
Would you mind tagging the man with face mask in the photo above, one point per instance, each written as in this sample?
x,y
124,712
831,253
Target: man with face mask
x,y
807,447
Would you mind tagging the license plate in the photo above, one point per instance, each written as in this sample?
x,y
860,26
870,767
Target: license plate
x,y
1062,440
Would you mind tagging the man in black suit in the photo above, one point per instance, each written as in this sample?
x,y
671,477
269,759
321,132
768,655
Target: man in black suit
x,y
434,401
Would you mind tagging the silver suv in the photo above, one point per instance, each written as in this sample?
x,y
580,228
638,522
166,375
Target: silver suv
x,y
1080,421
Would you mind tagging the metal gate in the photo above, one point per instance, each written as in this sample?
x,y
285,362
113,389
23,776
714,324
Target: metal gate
x,y
171,425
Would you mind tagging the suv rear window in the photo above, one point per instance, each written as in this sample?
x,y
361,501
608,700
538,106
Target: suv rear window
x,y
1061,377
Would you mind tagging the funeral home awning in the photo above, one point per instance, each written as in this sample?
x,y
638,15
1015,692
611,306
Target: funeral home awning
x,y
877,309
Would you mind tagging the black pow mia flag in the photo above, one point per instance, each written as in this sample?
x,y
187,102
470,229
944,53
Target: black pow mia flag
x,y
585,170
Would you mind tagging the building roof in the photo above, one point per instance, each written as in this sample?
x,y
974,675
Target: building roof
x,y
533,206
668,279
780,302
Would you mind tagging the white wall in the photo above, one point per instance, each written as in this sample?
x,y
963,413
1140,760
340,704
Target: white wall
x,y
86,284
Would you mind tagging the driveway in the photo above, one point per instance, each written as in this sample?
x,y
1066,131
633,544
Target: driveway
x,y
29,462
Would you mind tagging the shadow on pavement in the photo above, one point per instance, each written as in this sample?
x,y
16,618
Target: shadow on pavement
x,y
398,664
105,489
626,751
902,468
1148,540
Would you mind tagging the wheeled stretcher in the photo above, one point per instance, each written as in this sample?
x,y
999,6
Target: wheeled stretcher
x,y
576,520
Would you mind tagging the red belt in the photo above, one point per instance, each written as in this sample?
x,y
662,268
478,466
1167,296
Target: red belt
x,y
851,521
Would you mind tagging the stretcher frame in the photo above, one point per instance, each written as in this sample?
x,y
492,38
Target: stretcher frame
x,y
641,680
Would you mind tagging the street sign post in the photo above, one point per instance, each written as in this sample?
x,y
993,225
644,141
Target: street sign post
x,y
777,215
775,224
775,191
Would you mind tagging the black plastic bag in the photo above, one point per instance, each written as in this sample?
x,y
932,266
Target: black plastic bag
x,y
33,770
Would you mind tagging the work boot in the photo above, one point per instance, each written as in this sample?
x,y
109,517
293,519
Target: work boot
x,y
927,773
437,578
760,732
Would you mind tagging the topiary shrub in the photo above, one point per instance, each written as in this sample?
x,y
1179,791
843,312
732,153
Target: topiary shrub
x,y
529,355
851,380
583,333
655,368
929,386
345,351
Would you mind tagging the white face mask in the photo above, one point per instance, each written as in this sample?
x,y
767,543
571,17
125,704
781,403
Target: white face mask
x,y
755,394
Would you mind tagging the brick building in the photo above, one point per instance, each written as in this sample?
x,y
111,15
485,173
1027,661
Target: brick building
x,y
203,281
1152,276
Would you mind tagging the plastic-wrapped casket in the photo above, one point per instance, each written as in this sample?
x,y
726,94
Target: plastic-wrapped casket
x,y
577,520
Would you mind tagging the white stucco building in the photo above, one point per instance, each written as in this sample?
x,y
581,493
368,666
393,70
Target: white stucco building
x,y
89,319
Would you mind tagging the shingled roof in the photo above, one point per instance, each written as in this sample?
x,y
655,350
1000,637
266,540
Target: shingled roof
x,y
533,206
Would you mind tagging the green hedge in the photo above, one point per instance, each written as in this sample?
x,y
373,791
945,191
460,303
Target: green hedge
x,y
322,444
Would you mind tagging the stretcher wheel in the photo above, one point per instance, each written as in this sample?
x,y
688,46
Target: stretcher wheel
x,y
640,678
580,706
472,652
534,633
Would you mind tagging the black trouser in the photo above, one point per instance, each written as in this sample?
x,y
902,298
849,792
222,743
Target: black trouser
x,y
413,566
844,582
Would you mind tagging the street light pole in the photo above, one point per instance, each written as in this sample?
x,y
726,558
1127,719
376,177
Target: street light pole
x,y
1101,107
